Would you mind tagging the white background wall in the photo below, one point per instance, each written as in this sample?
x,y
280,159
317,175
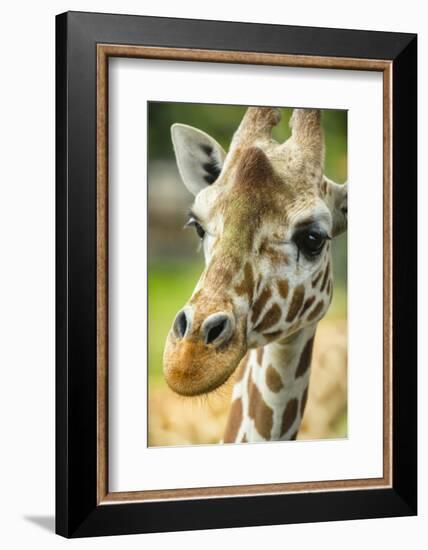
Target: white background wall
x,y
27,271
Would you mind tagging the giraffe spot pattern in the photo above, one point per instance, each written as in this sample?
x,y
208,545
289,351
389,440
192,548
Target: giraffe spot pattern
x,y
289,416
247,284
305,358
234,422
273,379
260,304
317,278
316,311
326,274
283,288
271,318
307,305
259,411
296,303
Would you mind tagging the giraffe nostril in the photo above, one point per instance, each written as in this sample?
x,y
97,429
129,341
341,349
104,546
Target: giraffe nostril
x,y
181,324
214,332
217,328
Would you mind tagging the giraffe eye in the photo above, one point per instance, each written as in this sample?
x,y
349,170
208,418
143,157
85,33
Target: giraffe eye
x,y
198,227
310,242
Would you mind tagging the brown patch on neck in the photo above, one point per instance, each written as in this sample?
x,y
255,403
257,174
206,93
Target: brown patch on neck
x,y
234,422
305,358
316,311
271,318
296,303
260,304
289,416
273,380
283,288
261,413
307,305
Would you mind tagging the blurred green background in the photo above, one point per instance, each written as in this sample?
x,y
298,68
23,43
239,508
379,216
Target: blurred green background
x,y
173,258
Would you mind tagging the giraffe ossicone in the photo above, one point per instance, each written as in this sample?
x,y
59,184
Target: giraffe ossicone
x,y
266,214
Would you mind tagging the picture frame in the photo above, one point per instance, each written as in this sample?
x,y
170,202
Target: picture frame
x,y
84,44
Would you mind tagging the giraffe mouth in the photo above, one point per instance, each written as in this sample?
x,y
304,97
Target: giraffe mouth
x,y
193,390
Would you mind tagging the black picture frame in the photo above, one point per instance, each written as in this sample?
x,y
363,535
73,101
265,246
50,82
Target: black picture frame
x,y
78,513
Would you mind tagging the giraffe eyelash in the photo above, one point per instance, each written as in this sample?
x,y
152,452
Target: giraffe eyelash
x,y
200,230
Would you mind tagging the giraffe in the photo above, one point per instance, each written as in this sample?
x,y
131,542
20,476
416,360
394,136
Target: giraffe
x,y
266,214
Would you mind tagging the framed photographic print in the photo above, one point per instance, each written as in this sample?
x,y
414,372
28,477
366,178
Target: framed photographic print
x,y
235,346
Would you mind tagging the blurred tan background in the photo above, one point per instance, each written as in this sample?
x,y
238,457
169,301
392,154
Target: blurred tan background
x,y
174,266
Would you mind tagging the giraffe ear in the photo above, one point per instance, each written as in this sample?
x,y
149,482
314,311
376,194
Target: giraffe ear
x,y
336,197
199,157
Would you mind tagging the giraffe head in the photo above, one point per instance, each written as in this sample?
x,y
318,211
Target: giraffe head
x,y
266,214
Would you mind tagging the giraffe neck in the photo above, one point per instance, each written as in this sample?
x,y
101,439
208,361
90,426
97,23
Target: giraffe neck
x,y
269,398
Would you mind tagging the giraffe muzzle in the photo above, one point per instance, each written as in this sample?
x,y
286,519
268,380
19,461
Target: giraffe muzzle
x,y
202,350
